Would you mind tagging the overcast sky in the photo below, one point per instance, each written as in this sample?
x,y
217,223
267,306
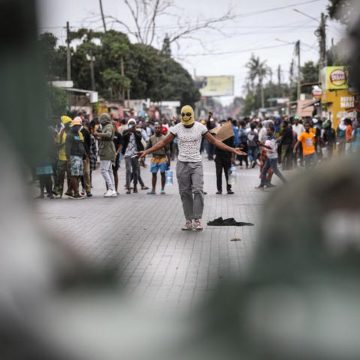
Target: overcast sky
x,y
255,30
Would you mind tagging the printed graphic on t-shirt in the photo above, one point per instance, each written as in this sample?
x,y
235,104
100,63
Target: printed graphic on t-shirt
x,y
189,141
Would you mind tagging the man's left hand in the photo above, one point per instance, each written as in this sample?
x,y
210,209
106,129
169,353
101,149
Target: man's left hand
x,y
239,152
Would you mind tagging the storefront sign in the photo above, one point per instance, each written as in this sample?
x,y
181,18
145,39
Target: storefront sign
x,y
335,78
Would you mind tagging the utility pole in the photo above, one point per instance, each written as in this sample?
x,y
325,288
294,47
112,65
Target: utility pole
x,y
68,63
102,15
321,34
122,74
298,53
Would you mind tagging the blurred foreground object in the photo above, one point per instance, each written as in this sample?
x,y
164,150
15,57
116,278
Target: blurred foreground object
x,y
300,299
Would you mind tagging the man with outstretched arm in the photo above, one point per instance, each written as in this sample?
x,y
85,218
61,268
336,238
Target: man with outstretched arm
x,y
189,169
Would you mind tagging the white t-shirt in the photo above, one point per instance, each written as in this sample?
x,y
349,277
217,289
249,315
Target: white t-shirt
x,y
189,141
299,129
271,154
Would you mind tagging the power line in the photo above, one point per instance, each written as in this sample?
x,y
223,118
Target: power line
x,y
235,51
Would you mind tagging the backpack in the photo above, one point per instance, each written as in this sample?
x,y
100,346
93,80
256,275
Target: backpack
x,y
252,139
242,137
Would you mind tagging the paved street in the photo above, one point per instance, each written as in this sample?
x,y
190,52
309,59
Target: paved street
x,y
142,233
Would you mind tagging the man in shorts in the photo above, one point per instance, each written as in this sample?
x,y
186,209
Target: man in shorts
x,y
189,169
160,159
75,151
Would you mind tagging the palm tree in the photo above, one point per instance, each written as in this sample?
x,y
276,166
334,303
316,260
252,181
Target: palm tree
x,y
258,70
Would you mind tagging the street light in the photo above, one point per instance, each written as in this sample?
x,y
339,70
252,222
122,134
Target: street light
x,y
91,58
308,16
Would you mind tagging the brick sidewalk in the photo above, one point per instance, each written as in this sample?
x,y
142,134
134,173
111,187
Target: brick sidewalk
x,y
141,233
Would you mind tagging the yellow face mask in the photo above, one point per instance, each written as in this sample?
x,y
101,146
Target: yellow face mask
x,y
187,115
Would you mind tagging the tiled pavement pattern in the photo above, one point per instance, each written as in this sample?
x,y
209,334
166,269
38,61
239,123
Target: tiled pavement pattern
x,y
142,234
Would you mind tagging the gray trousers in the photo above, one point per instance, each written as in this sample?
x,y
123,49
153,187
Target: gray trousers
x,y
107,173
132,171
190,178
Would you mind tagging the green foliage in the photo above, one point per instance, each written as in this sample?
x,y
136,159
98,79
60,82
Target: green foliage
x,y
166,48
310,75
57,102
53,57
148,72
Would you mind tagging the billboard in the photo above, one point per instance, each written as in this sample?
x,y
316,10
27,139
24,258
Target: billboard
x,y
215,85
335,78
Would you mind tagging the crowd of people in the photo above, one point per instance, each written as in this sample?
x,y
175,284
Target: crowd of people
x,y
80,146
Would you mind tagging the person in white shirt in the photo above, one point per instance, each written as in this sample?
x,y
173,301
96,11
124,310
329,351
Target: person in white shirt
x,y
298,129
189,169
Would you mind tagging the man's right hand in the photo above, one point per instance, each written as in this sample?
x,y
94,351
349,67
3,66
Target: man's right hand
x,y
141,154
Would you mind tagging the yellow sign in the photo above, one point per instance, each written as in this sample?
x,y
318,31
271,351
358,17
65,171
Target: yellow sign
x,y
339,104
216,85
335,78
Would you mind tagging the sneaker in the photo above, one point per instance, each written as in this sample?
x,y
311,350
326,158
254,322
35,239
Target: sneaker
x,y
230,192
197,225
69,194
162,192
143,188
270,185
78,197
135,190
188,226
82,193
114,194
89,194
108,193
218,192
152,192
259,187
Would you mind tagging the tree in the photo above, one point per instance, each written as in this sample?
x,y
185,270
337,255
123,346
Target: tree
x,y
53,58
120,66
258,70
310,76
145,15
340,10
166,48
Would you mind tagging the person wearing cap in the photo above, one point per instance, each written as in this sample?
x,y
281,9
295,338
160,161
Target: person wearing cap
x,y
131,146
189,169
75,152
107,153
62,165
